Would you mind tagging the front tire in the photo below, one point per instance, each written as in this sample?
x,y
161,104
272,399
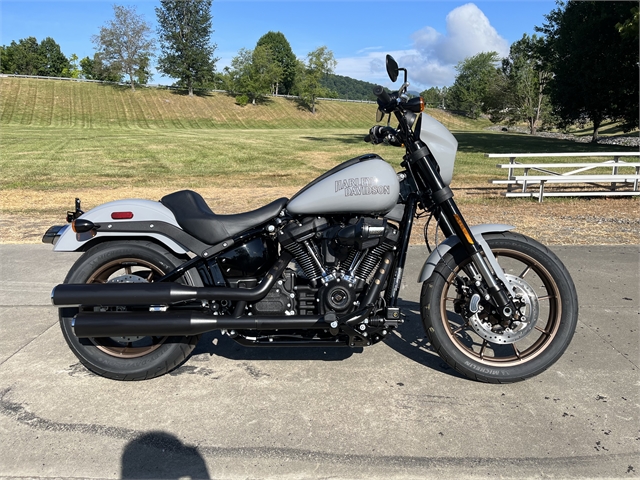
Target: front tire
x,y
126,358
544,290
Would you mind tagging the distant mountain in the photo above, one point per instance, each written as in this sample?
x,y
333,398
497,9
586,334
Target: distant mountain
x,y
352,89
349,88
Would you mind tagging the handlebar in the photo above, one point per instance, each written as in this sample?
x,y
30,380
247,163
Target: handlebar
x,y
379,134
382,94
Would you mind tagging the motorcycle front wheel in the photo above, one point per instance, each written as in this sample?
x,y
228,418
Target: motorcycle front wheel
x,y
126,358
470,338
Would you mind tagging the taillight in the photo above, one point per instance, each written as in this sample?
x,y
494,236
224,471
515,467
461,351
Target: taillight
x,y
121,215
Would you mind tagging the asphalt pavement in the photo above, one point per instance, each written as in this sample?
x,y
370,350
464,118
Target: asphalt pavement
x,y
393,410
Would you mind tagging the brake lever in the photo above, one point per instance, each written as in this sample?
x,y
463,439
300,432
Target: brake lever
x,y
393,141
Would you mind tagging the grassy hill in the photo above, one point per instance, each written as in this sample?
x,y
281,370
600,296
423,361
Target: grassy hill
x,y
56,103
61,134
60,140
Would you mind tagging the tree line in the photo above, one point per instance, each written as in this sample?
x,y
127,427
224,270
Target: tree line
x,y
584,69
125,47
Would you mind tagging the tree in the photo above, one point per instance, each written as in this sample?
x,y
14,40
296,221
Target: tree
x,y
471,90
435,96
4,58
184,27
283,55
254,73
519,95
309,76
22,58
95,69
87,68
74,68
124,43
595,66
52,61
631,26
143,73
28,57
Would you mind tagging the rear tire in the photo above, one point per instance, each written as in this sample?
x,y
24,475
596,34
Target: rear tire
x,y
479,353
130,358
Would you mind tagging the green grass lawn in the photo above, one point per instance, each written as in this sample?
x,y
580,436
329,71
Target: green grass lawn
x,y
58,158
66,135
64,158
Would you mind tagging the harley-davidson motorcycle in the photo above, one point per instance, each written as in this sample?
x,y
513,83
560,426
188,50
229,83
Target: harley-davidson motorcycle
x,y
323,268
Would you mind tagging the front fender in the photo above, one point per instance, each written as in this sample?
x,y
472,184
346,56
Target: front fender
x,y
478,231
143,211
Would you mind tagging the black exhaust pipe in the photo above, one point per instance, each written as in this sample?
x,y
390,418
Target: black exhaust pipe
x,y
142,324
164,293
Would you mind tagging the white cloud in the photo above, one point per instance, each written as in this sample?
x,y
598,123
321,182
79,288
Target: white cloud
x,y
368,49
434,55
468,33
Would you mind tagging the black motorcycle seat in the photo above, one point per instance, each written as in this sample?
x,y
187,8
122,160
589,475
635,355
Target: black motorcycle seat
x,y
197,219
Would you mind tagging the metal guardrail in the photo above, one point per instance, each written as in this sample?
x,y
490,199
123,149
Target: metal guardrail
x,y
167,87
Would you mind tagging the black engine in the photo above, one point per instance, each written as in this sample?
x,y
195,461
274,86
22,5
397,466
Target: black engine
x,y
335,260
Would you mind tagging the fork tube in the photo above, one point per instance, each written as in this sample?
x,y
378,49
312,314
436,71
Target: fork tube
x,y
401,256
454,223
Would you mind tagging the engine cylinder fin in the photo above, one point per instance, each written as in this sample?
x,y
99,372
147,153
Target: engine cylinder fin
x,y
349,262
369,262
304,259
372,259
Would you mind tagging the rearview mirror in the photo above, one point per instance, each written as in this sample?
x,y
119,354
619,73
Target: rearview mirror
x,y
392,68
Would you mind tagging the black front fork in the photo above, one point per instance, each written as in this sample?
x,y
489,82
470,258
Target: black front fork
x,y
432,190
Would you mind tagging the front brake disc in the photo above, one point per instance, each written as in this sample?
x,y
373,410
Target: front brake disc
x,y
526,302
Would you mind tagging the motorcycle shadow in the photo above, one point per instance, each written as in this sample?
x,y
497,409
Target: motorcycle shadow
x,y
408,340
215,343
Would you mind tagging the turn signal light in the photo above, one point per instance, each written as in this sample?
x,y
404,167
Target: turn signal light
x,y
415,104
82,225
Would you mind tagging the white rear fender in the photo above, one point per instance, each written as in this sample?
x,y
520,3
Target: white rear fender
x,y
112,215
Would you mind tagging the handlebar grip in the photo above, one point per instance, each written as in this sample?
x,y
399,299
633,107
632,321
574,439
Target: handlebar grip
x,y
381,93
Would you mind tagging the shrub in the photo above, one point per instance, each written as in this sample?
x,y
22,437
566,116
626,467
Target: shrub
x,y
242,100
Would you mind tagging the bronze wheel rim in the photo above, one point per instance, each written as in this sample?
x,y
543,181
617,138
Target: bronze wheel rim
x,y
468,342
127,269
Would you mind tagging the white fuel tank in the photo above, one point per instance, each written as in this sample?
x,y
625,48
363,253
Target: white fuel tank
x,y
363,185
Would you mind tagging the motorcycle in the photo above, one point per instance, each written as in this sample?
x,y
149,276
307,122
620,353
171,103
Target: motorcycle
x,y
322,268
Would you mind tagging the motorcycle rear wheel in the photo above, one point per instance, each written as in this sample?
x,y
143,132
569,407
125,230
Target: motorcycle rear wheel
x,y
535,274
126,358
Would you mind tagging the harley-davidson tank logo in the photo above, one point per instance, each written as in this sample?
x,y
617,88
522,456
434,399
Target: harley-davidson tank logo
x,y
361,186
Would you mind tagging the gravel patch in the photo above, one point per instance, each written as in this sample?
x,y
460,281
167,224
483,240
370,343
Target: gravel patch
x,y
627,141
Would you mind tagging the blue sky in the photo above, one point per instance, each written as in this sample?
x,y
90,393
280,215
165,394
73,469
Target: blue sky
x,y
427,37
